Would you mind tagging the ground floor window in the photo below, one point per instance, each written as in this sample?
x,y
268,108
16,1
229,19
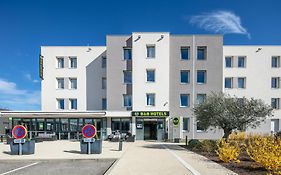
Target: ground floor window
x,y
185,124
121,124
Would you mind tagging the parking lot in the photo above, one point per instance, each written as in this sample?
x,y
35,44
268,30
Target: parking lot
x,y
48,167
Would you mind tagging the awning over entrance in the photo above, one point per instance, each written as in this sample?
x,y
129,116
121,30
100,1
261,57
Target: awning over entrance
x,y
57,114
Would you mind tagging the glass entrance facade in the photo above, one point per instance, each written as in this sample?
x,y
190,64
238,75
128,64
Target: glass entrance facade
x,y
63,128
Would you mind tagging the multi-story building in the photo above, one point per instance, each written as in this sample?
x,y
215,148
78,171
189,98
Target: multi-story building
x,y
148,84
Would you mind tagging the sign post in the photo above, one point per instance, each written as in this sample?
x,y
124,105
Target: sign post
x,y
19,132
89,131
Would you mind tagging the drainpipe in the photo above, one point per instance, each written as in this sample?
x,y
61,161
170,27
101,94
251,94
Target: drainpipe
x,y
193,85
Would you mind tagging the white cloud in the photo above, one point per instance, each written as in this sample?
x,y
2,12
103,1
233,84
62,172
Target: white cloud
x,y
18,99
29,77
223,22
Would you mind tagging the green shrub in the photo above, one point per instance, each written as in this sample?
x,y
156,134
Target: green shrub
x,y
194,144
209,146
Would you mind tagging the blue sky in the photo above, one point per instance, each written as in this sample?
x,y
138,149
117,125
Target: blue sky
x,y
26,25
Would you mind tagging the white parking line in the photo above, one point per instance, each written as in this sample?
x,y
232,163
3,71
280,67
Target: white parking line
x,y
26,166
184,163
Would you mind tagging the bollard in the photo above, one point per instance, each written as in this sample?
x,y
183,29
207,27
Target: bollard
x,y
120,144
185,140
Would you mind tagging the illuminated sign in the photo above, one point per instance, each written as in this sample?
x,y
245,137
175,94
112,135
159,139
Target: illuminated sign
x,y
151,113
176,121
41,67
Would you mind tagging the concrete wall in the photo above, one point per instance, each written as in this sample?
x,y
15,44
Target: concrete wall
x,y
258,73
88,84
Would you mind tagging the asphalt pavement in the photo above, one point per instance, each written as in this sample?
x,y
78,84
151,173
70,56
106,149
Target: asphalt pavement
x,y
61,167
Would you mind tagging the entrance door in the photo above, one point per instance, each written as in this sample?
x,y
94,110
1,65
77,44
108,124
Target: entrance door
x,y
150,130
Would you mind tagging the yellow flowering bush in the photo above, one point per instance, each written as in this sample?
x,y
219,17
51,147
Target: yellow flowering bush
x,y
228,151
265,150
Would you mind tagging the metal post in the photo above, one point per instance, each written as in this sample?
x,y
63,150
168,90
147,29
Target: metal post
x,y
120,145
20,149
89,147
185,140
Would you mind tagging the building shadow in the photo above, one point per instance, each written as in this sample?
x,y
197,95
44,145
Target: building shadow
x,y
72,151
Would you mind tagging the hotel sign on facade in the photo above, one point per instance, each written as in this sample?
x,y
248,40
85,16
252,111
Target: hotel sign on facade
x,y
150,113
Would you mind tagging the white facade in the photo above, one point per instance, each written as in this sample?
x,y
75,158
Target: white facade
x,y
101,85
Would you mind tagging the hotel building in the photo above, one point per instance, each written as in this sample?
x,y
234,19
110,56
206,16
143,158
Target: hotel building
x,y
148,84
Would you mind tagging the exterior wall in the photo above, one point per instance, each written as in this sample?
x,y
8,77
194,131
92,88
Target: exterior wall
x,y
161,66
258,73
115,66
213,66
88,92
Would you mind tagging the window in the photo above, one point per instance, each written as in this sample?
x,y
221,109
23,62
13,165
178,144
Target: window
x,y
184,53
228,61
127,76
127,100
184,76
104,106
228,83
60,62
150,75
127,54
60,83
275,61
150,99
185,124
73,62
241,61
241,82
150,51
184,100
103,83
275,103
73,104
201,76
103,62
73,83
201,98
201,53
275,82
199,127
60,103
274,125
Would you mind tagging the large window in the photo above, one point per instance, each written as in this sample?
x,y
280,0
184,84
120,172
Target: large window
x,y
201,76
150,99
127,76
150,51
60,83
228,82
73,83
73,62
241,82
104,105
275,82
201,98
228,62
184,100
275,61
201,53
60,62
127,54
185,124
275,103
241,61
73,124
184,53
150,75
73,104
103,83
121,124
60,103
184,76
127,100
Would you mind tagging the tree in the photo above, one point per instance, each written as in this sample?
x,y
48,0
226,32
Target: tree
x,y
231,113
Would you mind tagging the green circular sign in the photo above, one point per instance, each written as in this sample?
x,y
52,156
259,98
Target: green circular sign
x,y
176,121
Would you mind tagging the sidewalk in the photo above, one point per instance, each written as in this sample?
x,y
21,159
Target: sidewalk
x,y
64,149
164,159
